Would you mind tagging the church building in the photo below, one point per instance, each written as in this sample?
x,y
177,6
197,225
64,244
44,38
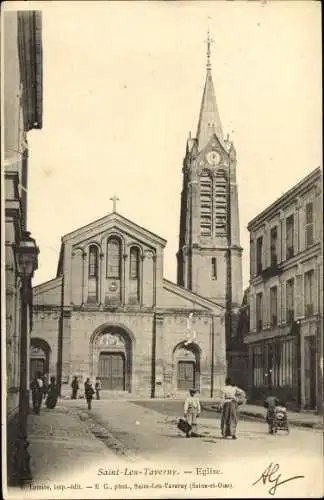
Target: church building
x,y
110,313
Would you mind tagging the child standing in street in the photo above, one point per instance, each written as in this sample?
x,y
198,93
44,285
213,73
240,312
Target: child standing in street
x,y
192,411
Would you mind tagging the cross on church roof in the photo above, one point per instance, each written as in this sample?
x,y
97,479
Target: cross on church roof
x,y
114,199
209,41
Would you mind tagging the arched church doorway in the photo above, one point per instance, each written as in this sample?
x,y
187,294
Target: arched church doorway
x,y
111,358
186,362
111,370
39,355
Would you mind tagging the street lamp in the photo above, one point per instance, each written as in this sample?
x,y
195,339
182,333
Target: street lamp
x,y
27,262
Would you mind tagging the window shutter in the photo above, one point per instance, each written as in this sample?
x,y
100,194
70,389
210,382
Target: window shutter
x,y
309,213
265,247
309,226
283,303
252,258
265,309
299,301
315,291
252,313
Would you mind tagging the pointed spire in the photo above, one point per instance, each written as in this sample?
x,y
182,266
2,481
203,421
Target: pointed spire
x,y
209,121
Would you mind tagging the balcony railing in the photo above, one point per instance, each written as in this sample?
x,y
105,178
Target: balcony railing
x,y
269,272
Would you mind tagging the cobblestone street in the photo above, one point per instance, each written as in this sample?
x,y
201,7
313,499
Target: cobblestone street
x,y
150,434
71,445
59,440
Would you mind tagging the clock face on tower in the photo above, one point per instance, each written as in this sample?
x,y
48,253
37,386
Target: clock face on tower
x,y
213,157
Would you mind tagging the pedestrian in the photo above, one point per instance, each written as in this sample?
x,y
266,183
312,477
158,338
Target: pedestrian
x,y
270,403
88,392
192,411
98,387
45,385
75,387
232,397
37,386
52,394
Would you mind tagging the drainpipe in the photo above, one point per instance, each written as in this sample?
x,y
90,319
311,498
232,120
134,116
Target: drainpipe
x,y
60,340
153,365
212,359
298,360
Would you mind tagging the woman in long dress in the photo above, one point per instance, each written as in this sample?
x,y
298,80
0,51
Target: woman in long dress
x,y
232,396
51,394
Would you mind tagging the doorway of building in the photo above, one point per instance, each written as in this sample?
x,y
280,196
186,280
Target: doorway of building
x,y
39,356
310,372
111,371
186,375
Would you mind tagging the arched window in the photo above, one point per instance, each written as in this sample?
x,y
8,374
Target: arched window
x,y
93,273
113,258
93,261
134,282
134,263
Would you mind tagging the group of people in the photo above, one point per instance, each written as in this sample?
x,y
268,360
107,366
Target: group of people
x,y
89,391
41,389
232,397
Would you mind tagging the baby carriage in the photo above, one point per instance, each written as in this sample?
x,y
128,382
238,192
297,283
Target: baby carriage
x,y
280,419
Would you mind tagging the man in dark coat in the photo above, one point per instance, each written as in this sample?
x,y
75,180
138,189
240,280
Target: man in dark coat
x,y
75,387
88,392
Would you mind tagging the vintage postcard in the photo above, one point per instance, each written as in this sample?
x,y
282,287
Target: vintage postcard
x,y
162,226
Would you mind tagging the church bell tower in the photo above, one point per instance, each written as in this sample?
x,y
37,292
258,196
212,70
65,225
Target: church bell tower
x,y
210,256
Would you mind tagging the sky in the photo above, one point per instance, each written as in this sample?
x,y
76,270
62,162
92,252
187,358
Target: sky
x,y
122,89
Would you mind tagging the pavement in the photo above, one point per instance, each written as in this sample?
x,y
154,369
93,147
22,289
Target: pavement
x,y
147,428
303,418
58,438
69,444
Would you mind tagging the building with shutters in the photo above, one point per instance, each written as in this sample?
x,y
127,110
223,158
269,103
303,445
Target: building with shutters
x,y
22,85
285,338
109,313
22,97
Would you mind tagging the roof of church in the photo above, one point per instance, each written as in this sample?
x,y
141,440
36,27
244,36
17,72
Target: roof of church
x,y
209,121
200,299
48,285
117,217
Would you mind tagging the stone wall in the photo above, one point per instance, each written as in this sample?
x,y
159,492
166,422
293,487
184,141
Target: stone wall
x,y
84,325
173,332
46,327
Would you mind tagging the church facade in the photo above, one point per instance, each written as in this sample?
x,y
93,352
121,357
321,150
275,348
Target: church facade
x,y
110,313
